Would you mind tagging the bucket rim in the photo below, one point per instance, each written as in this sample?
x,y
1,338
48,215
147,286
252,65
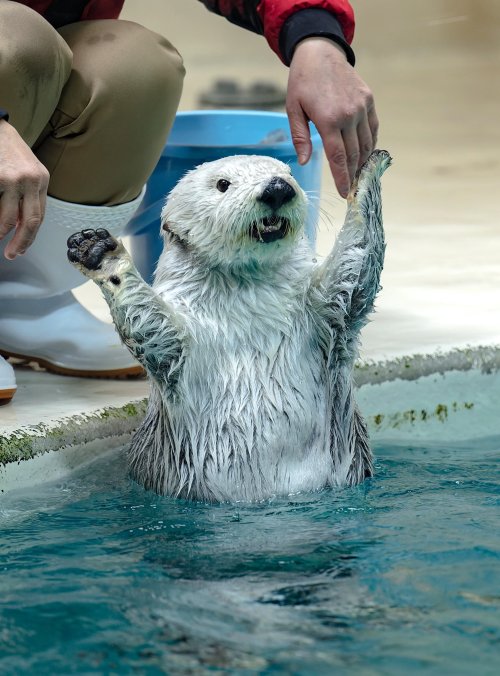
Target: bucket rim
x,y
212,113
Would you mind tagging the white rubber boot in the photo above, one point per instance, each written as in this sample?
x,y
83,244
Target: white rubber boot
x,y
7,382
40,319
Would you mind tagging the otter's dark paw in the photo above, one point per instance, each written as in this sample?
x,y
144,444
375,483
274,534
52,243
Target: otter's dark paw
x,y
88,247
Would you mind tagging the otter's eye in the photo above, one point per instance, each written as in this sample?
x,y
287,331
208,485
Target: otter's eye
x,y
222,185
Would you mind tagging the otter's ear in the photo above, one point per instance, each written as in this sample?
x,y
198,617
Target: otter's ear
x,y
165,226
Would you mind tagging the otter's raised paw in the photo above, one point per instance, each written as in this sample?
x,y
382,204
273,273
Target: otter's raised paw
x,y
371,170
89,247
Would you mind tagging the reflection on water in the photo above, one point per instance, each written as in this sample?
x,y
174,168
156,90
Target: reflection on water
x,y
99,576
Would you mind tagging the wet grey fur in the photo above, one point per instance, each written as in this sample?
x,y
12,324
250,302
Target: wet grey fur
x,y
249,346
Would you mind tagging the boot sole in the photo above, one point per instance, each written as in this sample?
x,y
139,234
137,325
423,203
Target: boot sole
x,y
6,396
130,372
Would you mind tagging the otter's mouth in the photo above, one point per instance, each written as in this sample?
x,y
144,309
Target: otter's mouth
x,y
270,229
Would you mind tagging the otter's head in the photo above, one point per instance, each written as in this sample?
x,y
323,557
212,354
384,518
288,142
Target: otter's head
x,y
238,210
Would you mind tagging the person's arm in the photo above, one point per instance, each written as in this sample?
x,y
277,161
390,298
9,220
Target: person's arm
x,y
313,37
23,189
324,88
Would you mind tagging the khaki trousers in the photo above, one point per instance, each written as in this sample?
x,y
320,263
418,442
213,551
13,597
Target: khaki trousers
x,y
95,100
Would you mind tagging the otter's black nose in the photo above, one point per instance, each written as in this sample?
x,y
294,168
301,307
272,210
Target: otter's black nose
x,y
276,193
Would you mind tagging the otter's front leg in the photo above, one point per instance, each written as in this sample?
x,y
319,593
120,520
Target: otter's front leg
x,y
149,327
349,278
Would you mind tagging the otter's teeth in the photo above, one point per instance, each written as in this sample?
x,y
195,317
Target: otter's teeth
x,y
270,224
270,228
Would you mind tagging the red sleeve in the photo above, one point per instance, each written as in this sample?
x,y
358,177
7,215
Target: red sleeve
x,y
93,9
102,9
274,13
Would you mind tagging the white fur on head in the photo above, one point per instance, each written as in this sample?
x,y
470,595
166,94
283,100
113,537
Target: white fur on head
x,y
217,225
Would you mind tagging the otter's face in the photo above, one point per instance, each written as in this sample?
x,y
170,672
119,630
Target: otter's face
x,y
237,210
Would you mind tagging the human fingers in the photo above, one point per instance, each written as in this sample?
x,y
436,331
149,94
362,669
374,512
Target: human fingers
x,y
365,140
373,124
43,202
299,129
335,152
30,218
9,215
23,187
351,145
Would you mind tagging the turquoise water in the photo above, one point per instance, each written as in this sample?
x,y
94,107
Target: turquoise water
x,y
397,576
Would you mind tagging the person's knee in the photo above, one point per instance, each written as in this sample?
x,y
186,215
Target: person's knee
x,y
123,62
30,45
119,104
151,56
151,73
35,64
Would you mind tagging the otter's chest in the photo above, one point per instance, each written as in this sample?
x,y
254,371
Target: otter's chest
x,y
269,359
253,399
257,372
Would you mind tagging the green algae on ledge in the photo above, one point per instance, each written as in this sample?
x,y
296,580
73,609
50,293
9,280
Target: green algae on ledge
x,y
412,416
27,442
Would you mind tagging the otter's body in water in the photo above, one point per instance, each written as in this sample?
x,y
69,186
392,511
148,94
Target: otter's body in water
x,y
248,342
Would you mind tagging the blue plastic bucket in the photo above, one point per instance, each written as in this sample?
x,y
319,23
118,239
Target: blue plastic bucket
x,y
205,135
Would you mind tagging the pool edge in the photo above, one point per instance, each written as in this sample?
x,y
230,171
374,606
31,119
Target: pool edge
x,y
439,395
73,435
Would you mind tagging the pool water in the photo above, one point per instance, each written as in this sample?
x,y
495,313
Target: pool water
x,y
399,575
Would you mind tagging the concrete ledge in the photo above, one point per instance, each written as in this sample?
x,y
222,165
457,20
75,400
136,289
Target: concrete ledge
x,y
46,451
483,358
439,397
438,408
27,442
55,464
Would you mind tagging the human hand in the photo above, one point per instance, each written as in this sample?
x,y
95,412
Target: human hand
x,y
325,89
23,191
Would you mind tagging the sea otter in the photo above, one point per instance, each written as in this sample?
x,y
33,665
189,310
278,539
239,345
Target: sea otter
x,y
248,341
